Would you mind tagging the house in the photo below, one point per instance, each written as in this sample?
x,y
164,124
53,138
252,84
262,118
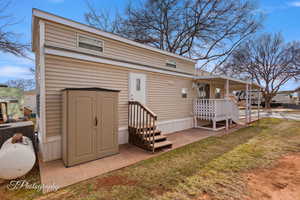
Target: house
x,y
159,92
297,90
281,98
11,103
284,97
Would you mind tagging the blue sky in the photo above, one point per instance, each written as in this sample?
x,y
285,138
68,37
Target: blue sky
x,y
281,16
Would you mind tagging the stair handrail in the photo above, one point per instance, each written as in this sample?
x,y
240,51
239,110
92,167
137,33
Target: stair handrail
x,y
135,114
145,107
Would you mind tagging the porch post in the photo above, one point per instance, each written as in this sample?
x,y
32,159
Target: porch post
x,y
214,125
6,110
227,102
227,122
247,98
250,102
227,88
258,105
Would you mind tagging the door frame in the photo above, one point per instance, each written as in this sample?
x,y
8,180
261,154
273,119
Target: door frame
x,y
129,84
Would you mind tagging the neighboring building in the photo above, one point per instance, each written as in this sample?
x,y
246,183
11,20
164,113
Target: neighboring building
x,y
298,93
30,101
281,98
284,97
152,82
11,103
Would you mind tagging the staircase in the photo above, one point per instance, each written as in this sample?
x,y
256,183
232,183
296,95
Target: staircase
x,y
142,128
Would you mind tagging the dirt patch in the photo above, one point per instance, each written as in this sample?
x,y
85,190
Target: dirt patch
x,y
279,182
110,181
204,196
2,182
159,190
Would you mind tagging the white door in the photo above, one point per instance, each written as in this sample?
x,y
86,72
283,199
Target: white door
x,y
137,87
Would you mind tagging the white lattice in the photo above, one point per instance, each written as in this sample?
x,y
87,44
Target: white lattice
x,y
215,109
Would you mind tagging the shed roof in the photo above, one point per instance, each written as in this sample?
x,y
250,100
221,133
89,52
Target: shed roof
x,y
93,89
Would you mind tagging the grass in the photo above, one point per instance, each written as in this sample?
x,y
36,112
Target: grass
x,y
211,166
289,111
31,177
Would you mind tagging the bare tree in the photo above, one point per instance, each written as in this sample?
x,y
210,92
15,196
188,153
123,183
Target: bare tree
x,y
268,60
9,41
206,30
102,19
23,84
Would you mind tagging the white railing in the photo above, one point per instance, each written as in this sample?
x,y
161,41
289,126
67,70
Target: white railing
x,y
234,111
216,109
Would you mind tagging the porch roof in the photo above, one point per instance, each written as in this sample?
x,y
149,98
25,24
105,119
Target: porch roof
x,y
235,83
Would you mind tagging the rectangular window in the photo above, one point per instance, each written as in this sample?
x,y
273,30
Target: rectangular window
x,y
171,63
138,84
13,101
90,43
218,93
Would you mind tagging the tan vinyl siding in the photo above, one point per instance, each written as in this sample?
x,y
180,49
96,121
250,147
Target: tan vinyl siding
x,y
165,99
65,37
59,36
163,91
65,73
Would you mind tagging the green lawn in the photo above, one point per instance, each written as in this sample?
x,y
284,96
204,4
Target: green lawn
x,y
212,166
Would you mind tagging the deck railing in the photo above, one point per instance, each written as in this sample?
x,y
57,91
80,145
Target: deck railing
x,y
215,109
141,125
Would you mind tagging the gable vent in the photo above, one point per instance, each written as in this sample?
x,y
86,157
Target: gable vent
x,y
90,43
171,63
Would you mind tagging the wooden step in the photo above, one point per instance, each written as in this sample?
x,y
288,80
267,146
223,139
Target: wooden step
x,y
157,138
150,133
163,144
145,128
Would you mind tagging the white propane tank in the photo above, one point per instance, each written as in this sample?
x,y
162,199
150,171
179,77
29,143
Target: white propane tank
x,y
16,159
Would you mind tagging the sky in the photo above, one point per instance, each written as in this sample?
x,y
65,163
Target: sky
x,y
280,16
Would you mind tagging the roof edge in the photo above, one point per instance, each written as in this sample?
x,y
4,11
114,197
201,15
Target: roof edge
x,y
68,22
228,78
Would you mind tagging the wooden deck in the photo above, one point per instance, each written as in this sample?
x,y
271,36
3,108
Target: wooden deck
x,y
215,111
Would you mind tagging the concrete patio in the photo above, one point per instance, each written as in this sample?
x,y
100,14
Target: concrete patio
x,y
55,172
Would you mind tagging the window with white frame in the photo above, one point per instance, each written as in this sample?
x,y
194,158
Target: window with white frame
x,y
90,43
171,63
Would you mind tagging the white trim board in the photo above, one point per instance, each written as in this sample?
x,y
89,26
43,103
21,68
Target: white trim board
x,y
42,117
225,78
80,56
71,23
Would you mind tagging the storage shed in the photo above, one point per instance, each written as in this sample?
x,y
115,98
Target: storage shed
x,y
90,124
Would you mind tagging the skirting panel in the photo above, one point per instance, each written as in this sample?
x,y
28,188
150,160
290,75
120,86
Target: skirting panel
x,y
175,125
51,149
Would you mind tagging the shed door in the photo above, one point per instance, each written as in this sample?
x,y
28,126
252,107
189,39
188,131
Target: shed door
x,y
82,129
137,87
107,141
